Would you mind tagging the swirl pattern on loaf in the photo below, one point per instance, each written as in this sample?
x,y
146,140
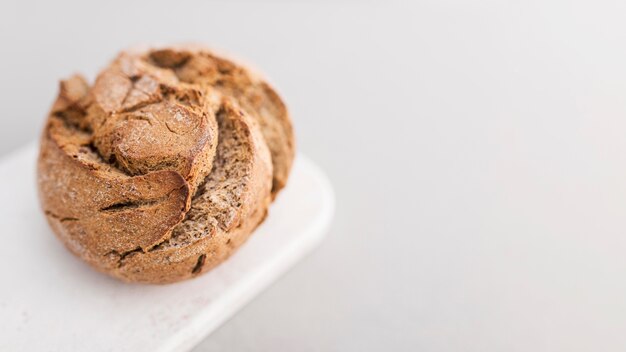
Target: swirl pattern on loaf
x,y
166,165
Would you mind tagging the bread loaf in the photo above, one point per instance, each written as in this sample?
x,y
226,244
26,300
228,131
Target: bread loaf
x,y
165,166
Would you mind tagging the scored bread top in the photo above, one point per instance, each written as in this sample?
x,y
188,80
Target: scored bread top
x,y
152,176
198,65
231,202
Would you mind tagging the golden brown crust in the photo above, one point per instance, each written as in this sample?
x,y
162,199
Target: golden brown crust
x,y
214,228
152,179
200,65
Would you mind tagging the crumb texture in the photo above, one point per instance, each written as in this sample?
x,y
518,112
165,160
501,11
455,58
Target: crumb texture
x,y
164,166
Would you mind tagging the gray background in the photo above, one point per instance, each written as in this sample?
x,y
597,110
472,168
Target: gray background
x,y
477,151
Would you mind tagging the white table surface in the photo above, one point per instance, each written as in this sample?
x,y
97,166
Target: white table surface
x,y
476,147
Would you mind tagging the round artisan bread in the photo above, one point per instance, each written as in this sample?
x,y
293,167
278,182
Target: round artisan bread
x,y
165,166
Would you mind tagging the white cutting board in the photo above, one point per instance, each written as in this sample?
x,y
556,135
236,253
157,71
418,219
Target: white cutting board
x,y
51,301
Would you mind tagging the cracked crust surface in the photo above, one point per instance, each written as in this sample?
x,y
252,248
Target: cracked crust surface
x,y
201,66
153,178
